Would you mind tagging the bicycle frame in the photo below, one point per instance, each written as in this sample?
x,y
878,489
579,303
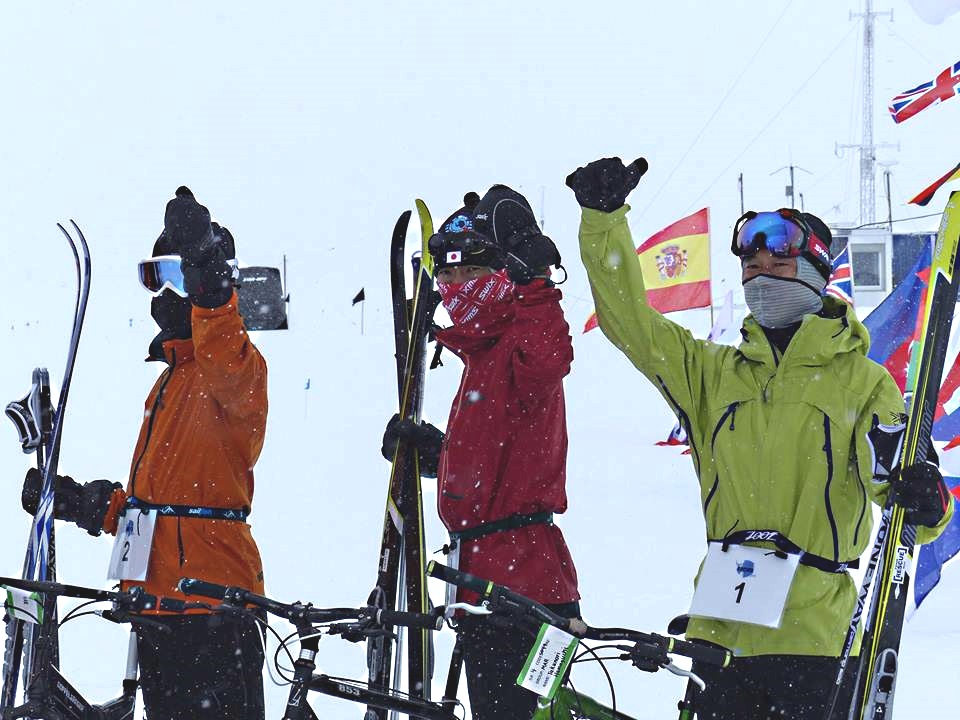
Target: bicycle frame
x,y
306,680
48,695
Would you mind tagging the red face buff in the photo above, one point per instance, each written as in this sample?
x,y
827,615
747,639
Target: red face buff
x,y
464,301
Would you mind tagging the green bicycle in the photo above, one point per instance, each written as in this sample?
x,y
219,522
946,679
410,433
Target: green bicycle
x,y
646,651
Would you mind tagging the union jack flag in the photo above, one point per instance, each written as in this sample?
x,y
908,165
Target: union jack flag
x,y
907,104
840,284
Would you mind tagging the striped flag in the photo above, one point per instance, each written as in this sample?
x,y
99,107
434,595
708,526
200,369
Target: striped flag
x,y
907,104
840,284
925,195
676,266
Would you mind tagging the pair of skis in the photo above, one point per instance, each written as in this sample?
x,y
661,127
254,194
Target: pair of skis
x,y
30,646
401,573
891,559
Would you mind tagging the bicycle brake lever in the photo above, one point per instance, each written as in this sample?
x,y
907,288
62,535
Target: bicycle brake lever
x,y
467,608
687,674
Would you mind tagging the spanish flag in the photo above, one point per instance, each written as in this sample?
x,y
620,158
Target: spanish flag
x,y
927,194
676,266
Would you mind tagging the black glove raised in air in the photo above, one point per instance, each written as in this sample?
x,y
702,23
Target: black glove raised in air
x,y
426,438
920,490
604,184
504,216
86,505
204,249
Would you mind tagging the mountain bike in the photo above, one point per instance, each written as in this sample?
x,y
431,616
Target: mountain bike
x,y
646,651
310,624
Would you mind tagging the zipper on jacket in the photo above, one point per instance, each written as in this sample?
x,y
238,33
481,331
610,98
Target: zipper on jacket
x,y
730,412
153,415
180,550
828,451
684,420
863,510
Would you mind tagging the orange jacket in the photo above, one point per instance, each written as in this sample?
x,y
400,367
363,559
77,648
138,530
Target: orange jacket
x,y
202,432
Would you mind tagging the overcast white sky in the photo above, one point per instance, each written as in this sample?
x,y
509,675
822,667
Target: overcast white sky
x,y
308,127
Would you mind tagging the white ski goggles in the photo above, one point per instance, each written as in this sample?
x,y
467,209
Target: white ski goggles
x,y
162,273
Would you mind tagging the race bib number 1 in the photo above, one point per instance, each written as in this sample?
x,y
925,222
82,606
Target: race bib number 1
x,y
131,549
547,663
745,584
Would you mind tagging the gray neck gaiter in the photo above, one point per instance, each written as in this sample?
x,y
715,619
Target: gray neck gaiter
x,y
776,302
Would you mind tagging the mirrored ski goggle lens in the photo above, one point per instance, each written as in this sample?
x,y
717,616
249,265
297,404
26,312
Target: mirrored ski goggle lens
x,y
159,273
780,235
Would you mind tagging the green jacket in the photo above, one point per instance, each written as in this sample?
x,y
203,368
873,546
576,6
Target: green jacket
x,y
778,443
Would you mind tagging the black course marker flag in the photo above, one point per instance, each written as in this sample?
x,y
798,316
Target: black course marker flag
x,y
359,298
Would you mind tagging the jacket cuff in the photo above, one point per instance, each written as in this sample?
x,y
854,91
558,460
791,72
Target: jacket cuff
x,y
599,221
110,520
230,306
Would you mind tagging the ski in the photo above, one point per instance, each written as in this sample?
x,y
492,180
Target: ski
x,y
877,675
36,644
400,573
419,650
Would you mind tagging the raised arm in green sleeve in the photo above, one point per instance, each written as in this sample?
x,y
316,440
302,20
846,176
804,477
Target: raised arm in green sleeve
x,y
672,359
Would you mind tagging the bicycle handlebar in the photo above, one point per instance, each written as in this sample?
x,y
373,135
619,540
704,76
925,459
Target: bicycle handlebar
x,y
503,598
132,600
307,613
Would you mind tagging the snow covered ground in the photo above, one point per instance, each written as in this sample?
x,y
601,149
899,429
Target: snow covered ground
x,y
307,129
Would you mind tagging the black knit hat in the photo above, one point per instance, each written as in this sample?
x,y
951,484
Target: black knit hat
x,y
458,242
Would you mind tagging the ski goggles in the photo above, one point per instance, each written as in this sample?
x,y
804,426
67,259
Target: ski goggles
x,y
783,233
162,273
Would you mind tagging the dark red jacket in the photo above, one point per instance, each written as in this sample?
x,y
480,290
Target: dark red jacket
x,y
505,449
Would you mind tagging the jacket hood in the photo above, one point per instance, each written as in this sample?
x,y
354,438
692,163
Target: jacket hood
x,y
833,332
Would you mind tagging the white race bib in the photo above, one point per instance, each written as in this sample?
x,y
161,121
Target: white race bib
x,y
131,549
745,584
23,605
548,661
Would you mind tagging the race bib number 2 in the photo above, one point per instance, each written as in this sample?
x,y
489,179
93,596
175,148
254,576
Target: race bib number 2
x,y
745,584
131,549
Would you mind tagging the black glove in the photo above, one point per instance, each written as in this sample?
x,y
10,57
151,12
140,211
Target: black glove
x,y
529,256
86,505
426,438
204,248
604,184
922,493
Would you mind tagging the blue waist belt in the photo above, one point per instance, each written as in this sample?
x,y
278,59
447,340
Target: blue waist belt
x,y
787,546
190,511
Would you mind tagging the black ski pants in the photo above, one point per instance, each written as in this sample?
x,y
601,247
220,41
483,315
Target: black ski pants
x,y
201,667
773,687
493,655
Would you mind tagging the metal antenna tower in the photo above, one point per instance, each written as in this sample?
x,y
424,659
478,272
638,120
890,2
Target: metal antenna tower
x,y
867,148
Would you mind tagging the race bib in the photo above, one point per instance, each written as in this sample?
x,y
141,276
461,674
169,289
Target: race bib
x,y
23,605
131,549
745,584
547,663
